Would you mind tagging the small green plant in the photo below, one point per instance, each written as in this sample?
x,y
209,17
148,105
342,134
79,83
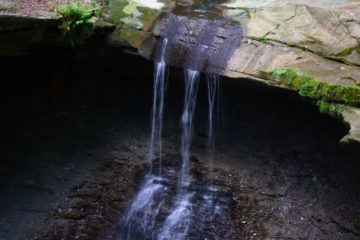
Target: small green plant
x,y
264,39
77,17
345,52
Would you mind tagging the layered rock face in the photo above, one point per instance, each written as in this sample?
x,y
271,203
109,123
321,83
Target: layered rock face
x,y
263,40
317,40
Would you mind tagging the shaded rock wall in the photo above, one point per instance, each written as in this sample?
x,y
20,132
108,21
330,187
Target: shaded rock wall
x,y
238,39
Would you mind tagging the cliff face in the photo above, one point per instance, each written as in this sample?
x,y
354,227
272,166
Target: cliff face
x,y
304,46
266,41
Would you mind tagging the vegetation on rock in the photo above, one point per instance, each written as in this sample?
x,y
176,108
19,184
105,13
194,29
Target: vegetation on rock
x,y
133,14
117,12
329,108
344,53
348,51
78,17
326,94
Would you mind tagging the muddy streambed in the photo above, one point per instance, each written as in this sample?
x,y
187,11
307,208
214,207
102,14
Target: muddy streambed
x,y
71,165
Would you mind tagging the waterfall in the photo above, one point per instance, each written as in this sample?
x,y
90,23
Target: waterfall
x,y
191,87
141,217
212,81
169,201
178,222
158,105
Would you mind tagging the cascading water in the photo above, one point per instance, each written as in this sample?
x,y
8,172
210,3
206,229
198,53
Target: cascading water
x,y
158,105
177,223
138,221
176,194
191,87
141,217
161,210
212,81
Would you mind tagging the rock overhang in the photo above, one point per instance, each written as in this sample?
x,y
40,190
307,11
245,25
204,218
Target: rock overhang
x,y
316,39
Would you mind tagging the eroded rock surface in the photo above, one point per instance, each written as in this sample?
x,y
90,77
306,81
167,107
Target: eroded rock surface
x,y
320,40
245,39
330,32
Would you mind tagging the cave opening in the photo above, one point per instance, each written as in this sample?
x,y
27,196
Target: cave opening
x,y
73,121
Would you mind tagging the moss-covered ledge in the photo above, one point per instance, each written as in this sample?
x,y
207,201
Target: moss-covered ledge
x,y
134,20
309,87
339,101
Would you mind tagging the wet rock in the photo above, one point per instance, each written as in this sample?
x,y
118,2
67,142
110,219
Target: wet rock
x,y
197,43
94,206
351,141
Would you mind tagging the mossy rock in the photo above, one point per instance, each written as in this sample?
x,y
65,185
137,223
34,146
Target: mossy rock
x,y
309,87
117,12
148,17
127,37
329,108
132,14
344,53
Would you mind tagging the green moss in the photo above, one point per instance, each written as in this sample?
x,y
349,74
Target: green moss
x,y
344,53
320,91
329,108
358,49
132,14
117,12
288,74
264,40
148,15
132,36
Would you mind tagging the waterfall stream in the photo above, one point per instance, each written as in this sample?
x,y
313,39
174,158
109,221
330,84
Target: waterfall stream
x,y
212,81
177,223
141,217
158,105
171,198
191,87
